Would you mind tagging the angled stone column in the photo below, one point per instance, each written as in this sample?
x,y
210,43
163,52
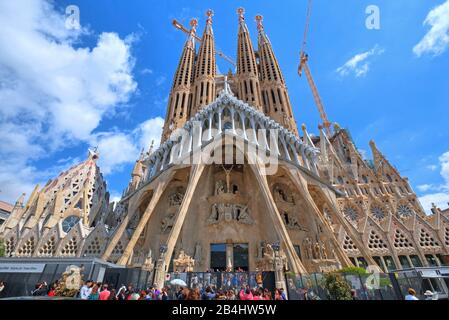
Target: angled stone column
x,y
160,188
345,259
120,230
302,188
295,262
162,263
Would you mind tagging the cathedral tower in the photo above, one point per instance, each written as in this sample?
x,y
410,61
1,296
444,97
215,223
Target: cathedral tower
x,y
274,91
247,74
205,69
180,97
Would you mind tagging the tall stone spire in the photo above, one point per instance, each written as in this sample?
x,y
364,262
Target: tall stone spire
x,y
180,98
247,74
275,97
205,69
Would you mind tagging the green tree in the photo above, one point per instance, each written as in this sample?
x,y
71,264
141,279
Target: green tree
x,y
338,288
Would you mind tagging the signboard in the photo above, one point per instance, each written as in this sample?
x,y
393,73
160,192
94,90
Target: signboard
x,y
22,267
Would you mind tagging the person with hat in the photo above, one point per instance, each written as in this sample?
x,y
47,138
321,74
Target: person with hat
x,y
430,295
411,295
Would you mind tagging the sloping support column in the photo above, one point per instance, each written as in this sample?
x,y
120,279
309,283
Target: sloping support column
x,y
345,259
160,188
304,192
294,261
165,257
123,224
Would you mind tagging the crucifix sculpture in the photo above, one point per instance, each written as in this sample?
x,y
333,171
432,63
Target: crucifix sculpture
x,y
228,178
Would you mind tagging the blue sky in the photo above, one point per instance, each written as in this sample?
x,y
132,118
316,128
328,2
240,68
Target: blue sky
x,y
106,84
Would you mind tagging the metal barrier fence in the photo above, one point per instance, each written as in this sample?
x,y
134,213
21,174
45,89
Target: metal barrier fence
x,y
312,287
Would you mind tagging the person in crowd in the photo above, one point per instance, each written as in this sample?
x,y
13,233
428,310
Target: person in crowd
x,y
86,289
113,295
94,294
149,295
246,294
105,293
164,295
52,291
182,293
129,291
354,294
266,294
429,295
121,294
278,295
283,295
135,295
230,295
411,294
156,293
2,289
220,295
257,295
143,294
194,294
209,294
40,289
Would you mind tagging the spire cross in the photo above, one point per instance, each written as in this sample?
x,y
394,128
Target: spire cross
x,y
193,24
227,87
209,14
259,19
240,12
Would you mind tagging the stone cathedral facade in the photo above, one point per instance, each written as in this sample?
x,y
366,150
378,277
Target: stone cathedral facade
x,y
325,207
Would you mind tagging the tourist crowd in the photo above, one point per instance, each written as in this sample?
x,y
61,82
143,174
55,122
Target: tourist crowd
x,y
91,290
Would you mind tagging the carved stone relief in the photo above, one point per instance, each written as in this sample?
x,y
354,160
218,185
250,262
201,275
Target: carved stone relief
x,y
229,212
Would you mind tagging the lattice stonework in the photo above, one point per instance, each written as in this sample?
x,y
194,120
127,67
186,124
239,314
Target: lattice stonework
x,y
70,249
27,249
348,244
426,240
401,241
9,246
375,242
118,250
94,247
48,249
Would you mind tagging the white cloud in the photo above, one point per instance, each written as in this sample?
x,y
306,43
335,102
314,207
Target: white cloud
x,y
424,187
441,195
146,71
437,38
359,65
53,91
440,199
432,167
148,131
116,149
120,148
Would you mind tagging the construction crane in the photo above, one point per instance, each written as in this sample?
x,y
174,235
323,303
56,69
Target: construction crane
x,y
304,57
179,26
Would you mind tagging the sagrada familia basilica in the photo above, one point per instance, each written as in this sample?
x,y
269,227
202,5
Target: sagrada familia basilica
x,y
324,208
